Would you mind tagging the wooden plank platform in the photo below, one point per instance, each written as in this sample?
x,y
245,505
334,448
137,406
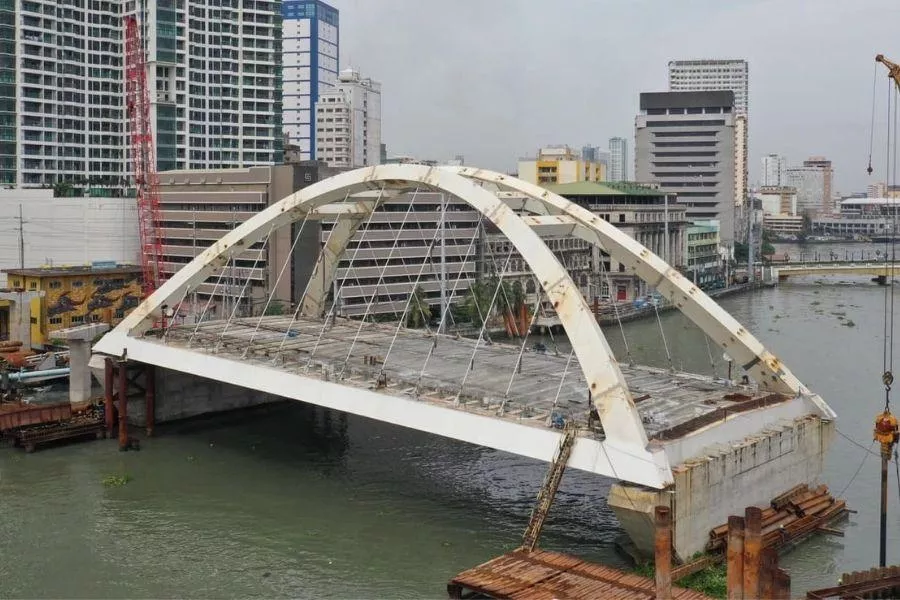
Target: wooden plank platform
x,y
545,575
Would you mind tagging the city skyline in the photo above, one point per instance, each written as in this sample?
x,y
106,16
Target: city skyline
x,y
788,109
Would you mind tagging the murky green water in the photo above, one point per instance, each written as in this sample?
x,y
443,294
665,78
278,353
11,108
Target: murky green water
x,y
294,501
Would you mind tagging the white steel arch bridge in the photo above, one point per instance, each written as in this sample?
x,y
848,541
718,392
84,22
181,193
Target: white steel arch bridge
x,y
497,395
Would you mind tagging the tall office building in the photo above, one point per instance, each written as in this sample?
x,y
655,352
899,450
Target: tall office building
x,y
685,142
711,75
813,182
773,167
618,159
213,75
311,54
348,122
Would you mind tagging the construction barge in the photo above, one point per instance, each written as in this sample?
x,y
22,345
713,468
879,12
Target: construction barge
x,y
29,426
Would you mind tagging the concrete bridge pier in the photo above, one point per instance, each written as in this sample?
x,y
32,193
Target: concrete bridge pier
x,y
723,480
79,340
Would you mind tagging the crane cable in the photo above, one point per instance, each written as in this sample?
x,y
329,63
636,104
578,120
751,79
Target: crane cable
x,y
890,247
872,124
891,175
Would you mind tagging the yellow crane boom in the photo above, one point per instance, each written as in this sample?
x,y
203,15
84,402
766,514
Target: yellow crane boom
x,y
893,68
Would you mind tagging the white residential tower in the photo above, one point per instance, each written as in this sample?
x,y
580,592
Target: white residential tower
x,y
348,122
311,54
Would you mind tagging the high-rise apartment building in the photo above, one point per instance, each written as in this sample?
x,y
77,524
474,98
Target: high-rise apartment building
x,y
213,73
311,56
618,159
348,122
773,167
711,75
685,142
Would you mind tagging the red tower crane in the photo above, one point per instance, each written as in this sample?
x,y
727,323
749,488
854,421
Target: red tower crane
x,y
143,156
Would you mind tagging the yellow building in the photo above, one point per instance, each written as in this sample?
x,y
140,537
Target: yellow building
x,y
560,164
73,296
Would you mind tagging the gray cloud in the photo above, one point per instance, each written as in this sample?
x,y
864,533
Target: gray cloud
x,y
496,79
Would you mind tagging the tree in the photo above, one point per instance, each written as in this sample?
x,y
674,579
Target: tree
x,y
478,302
741,252
274,309
62,189
419,311
517,296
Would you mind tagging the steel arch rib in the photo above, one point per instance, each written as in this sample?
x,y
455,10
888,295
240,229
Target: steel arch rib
x,y
618,414
748,352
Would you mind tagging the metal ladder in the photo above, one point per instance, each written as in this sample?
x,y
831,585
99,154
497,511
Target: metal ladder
x,y
548,489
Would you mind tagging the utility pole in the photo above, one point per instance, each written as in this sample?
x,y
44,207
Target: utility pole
x,y
750,269
21,240
194,255
666,232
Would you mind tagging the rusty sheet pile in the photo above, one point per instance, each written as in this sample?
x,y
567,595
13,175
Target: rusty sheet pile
x,y
544,574
793,515
875,583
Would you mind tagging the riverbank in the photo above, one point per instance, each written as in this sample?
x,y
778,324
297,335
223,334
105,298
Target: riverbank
x,y
628,312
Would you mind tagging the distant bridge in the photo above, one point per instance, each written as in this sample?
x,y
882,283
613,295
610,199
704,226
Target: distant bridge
x,y
881,270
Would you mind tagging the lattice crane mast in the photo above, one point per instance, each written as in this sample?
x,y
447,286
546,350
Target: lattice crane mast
x,y
143,156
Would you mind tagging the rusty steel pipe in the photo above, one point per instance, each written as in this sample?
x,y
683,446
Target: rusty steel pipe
x,y
769,564
752,550
882,546
781,588
735,558
150,387
123,407
663,553
108,392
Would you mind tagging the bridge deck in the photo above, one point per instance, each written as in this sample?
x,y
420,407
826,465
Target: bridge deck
x,y
670,404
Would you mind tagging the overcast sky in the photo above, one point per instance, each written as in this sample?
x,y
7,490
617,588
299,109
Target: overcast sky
x,y
496,79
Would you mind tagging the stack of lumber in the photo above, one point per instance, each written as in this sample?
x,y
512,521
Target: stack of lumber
x,y
791,516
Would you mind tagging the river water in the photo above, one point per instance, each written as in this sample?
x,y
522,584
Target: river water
x,y
288,500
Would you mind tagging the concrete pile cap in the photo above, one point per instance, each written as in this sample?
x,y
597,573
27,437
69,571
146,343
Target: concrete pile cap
x,y
81,332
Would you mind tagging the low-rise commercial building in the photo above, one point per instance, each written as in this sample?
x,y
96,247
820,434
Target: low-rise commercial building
x,y
197,208
783,224
870,207
560,165
419,239
702,263
68,296
644,213
851,226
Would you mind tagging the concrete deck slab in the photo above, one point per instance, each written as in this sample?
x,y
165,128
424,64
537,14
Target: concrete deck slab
x,y
545,385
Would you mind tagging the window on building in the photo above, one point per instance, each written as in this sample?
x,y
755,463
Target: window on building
x,y
55,320
120,314
77,319
56,284
621,217
77,283
33,285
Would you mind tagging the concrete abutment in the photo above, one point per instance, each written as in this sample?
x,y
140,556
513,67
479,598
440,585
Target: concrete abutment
x,y
723,481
